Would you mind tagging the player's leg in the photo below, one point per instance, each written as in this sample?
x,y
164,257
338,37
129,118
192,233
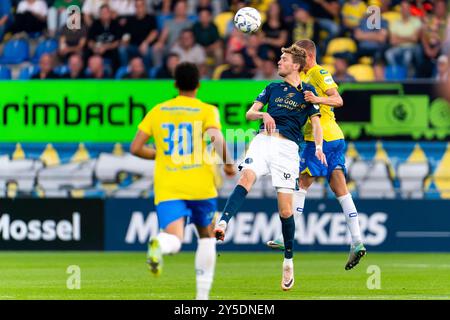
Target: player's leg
x,y
336,178
288,230
205,257
171,219
310,168
339,186
235,201
253,166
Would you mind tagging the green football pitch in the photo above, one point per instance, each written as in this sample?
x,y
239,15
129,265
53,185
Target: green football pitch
x,y
243,275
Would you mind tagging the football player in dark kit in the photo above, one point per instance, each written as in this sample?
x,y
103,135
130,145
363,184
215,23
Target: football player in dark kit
x,y
275,148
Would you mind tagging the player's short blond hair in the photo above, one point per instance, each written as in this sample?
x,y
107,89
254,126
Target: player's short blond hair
x,y
298,55
308,45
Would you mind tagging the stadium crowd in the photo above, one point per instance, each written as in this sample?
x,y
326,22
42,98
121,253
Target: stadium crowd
x,y
141,39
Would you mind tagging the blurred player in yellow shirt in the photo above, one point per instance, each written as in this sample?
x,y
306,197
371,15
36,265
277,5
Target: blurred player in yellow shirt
x,y
327,98
184,173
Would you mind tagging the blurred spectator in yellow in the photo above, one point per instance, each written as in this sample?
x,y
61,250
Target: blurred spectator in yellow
x,y
353,11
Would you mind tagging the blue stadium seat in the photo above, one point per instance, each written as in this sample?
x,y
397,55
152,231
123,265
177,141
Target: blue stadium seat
x,y
27,72
152,72
15,52
5,73
395,73
121,72
61,70
46,46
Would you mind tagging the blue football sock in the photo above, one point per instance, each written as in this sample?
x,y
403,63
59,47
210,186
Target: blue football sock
x,y
288,229
234,202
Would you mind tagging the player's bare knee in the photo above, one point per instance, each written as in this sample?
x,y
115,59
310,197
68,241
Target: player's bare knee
x,y
285,212
247,179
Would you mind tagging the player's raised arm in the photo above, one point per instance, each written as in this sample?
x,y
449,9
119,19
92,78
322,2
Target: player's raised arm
x,y
318,138
140,149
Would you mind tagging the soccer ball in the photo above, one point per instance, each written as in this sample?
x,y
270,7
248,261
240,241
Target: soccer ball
x,y
247,20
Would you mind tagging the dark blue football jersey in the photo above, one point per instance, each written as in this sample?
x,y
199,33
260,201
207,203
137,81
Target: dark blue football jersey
x,y
287,106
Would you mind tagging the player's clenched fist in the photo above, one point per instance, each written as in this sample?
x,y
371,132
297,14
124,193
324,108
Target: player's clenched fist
x,y
269,123
229,170
311,97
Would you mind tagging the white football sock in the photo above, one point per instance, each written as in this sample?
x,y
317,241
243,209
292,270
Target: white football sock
x,y
298,200
169,243
288,262
351,217
205,263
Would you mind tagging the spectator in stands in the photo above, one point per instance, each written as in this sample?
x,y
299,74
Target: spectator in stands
x,y
253,52
140,34
57,14
304,25
238,69
353,11
72,41
340,68
5,16
404,36
122,10
104,37
137,69
326,13
268,71
443,69
432,38
207,35
31,17
46,65
91,10
188,50
171,32
76,68
371,41
167,71
274,31
96,68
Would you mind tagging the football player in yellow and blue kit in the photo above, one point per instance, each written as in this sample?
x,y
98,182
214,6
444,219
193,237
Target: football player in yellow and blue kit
x,y
184,173
327,98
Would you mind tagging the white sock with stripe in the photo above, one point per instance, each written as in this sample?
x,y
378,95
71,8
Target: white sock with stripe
x,y
351,217
205,263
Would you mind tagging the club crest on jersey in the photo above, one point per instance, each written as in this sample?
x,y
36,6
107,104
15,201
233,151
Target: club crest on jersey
x,y
248,160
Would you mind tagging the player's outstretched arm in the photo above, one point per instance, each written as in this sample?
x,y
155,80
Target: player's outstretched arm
x,y
220,146
254,113
139,149
318,139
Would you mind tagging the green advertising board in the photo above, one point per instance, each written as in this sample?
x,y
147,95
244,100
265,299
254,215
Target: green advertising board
x,y
105,111
109,111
